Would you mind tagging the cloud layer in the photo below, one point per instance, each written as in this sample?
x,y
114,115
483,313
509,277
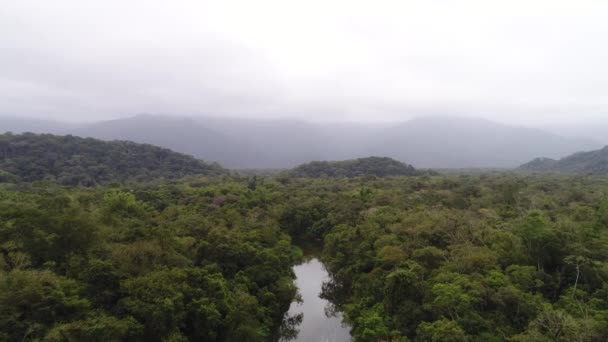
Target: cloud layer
x,y
515,61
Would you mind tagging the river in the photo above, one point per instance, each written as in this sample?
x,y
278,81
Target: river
x,y
316,326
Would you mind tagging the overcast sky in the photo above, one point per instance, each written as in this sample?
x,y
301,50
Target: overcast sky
x,y
536,62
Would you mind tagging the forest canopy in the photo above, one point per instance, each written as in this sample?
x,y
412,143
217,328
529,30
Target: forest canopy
x,y
370,166
71,160
199,262
489,257
413,256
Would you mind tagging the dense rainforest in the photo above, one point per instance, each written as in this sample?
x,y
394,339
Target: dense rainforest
x,y
413,256
71,160
201,261
370,166
471,258
486,257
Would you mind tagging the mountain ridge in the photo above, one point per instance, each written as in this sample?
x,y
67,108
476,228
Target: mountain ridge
x,y
591,162
71,160
427,142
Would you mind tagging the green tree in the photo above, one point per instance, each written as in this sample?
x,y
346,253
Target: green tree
x,y
443,330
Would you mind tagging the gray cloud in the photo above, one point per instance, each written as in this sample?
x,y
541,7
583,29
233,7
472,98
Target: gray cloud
x,y
519,61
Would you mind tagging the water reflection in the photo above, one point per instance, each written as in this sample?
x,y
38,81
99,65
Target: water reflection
x,y
316,325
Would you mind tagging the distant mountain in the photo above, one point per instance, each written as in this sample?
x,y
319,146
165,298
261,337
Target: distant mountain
x,y
442,142
370,166
72,160
592,130
436,142
541,164
272,143
594,162
178,134
238,143
16,124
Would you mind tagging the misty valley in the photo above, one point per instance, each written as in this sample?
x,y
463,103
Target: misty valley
x,y
303,171
121,241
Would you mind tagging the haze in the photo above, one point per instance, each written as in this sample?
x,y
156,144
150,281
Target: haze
x,y
534,63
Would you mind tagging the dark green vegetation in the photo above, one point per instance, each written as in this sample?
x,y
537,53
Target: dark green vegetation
x,y
71,160
488,257
469,258
371,166
199,262
592,163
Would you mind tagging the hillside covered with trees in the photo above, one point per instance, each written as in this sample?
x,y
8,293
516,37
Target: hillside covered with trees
x,y
371,166
593,162
72,160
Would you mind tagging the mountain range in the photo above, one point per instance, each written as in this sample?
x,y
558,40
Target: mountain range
x,y
429,142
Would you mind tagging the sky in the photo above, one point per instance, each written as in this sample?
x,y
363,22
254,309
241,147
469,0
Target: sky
x,y
522,62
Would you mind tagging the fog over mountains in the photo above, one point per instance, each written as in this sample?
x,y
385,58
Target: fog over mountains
x,y
430,142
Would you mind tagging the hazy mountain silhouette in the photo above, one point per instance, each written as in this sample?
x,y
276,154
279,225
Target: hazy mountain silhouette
x,y
293,142
16,124
442,142
436,142
178,134
277,143
592,162
239,143
590,130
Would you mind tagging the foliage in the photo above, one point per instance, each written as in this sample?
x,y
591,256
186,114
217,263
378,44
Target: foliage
x,y
371,166
433,259
71,160
486,257
154,263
